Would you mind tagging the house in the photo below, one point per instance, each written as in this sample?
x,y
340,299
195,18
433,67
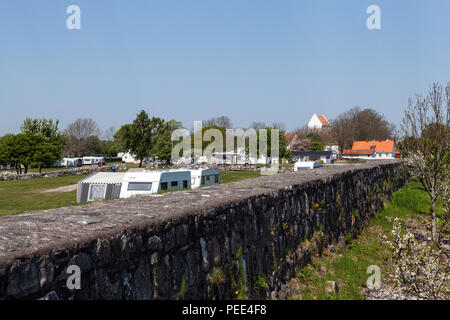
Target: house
x,y
5,167
371,150
324,156
204,177
94,160
318,123
100,186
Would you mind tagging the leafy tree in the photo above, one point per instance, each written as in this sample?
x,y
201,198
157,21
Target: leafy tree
x,y
162,148
317,146
284,153
140,137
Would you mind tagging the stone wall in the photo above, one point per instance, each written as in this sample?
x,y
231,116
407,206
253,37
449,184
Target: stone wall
x,y
5,176
248,236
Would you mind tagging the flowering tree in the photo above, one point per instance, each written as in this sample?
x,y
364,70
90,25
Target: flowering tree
x,y
425,148
419,269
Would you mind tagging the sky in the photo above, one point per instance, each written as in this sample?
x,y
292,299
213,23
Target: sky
x,y
250,60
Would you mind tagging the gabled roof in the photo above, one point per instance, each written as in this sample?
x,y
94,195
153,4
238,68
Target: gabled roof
x,y
324,120
380,146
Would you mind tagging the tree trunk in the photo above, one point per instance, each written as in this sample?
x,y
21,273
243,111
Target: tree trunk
x,y
40,169
140,163
26,169
434,236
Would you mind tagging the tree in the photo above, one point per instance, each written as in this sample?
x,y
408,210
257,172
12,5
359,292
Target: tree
x,y
258,125
425,148
317,146
163,142
119,137
357,124
77,134
222,121
47,128
284,153
140,137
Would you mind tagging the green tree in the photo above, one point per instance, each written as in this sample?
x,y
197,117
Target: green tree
x,y
140,137
163,142
317,146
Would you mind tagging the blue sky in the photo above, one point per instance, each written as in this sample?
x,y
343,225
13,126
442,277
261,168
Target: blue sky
x,y
252,60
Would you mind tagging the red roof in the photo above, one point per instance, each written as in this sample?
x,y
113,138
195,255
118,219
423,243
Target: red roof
x,y
380,146
324,121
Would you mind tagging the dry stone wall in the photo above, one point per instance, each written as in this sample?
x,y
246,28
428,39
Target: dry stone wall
x,y
248,236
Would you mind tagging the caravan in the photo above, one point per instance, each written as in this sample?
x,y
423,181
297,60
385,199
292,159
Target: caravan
x,y
204,177
153,181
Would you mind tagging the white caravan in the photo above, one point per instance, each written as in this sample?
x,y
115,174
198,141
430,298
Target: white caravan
x,y
153,181
89,160
204,177
100,186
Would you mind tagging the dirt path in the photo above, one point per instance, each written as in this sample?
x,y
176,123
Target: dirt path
x,y
62,189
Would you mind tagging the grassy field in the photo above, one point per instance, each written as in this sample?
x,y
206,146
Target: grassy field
x,y
348,266
20,196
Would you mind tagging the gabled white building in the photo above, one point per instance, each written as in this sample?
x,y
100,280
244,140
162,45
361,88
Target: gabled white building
x,y
318,123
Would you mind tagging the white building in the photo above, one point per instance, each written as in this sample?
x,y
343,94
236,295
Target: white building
x,y
318,123
371,150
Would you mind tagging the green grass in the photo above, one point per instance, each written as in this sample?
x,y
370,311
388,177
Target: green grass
x,y
21,196
227,176
350,264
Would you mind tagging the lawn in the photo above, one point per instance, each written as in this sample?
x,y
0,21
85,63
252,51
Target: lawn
x,y
348,266
20,196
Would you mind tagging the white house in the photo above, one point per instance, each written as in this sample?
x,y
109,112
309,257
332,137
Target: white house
x,y
204,177
318,123
371,150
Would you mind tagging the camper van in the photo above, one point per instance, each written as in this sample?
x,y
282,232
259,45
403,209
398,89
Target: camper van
x,y
204,177
71,162
94,160
152,181
100,186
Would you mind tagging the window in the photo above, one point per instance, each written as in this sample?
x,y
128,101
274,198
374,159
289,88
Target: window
x,y
203,180
207,178
185,184
163,185
216,178
174,184
97,192
139,186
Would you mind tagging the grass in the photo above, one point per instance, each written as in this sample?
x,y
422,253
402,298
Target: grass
x,y
348,266
19,196
227,176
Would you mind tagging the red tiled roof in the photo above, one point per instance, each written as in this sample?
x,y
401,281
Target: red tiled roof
x,y
324,121
380,146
